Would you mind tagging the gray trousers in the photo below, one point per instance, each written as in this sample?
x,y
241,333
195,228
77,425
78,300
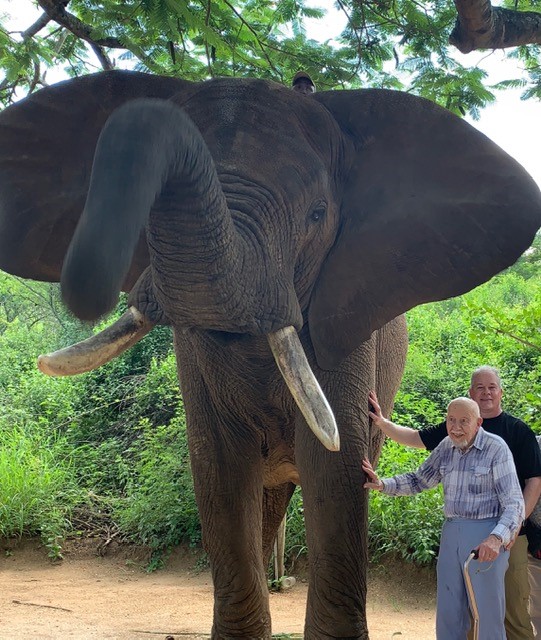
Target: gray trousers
x,y
458,538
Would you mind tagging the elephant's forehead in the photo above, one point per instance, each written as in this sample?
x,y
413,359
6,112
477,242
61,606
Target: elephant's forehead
x,y
235,115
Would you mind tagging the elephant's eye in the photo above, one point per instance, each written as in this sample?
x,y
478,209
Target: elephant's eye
x,y
318,213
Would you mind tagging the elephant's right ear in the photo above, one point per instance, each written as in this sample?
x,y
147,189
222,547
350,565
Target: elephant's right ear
x,y
47,144
431,208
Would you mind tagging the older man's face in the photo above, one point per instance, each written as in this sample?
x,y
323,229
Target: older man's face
x,y
463,422
303,85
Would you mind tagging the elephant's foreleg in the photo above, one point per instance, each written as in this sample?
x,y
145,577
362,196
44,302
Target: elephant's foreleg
x,y
229,491
391,351
335,508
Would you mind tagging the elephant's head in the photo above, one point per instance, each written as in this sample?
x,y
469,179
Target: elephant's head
x,y
242,207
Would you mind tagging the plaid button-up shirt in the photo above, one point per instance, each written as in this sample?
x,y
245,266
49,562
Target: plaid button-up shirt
x,y
478,483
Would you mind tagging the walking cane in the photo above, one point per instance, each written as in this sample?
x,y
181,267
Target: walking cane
x,y
471,594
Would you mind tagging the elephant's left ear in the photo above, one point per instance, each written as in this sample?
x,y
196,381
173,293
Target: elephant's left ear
x,y
431,208
47,144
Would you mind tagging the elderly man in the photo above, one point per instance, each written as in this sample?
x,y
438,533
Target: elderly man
x,y
484,509
486,390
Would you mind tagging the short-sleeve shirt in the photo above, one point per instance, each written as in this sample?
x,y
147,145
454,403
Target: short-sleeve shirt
x,y
519,438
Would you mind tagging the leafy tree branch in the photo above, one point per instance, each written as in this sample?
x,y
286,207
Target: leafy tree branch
x,y
393,44
55,10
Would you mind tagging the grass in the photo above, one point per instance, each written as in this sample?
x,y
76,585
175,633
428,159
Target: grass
x,y
36,488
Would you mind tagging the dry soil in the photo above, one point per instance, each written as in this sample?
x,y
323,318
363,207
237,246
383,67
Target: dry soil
x,y
86,596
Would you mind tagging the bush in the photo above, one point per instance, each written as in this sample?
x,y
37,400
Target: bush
x,y
295,546
37,487
159,507
409,526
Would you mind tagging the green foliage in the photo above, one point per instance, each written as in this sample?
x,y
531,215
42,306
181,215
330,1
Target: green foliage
x,y
159,507
381,44
37,487
495,324
295,546
407,526
111,408
96,424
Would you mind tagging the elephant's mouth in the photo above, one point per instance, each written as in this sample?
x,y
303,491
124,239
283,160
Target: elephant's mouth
x,y
284,343
226,338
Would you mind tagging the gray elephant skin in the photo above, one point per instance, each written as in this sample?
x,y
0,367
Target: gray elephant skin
x,y
232,210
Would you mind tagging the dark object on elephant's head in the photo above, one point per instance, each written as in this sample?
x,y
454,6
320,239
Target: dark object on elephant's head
x,y
303,83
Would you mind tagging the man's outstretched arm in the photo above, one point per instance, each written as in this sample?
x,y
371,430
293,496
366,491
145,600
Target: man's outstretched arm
x,y
403,435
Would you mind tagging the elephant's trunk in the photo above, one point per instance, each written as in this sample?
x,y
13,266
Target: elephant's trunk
x,y
151,164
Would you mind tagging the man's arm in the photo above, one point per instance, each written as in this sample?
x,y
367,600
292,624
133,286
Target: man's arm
x,y
531,493
427,476
509,493
403,435
527,456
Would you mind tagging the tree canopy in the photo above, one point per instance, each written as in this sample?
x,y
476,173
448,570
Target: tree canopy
x,y
383,43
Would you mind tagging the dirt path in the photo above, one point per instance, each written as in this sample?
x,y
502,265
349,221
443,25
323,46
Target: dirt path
x,y
86,597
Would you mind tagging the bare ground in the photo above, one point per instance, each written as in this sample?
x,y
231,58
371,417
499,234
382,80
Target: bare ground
x,y
86,596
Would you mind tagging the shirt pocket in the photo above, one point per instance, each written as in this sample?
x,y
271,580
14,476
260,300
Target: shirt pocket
x,y
445,469
480,480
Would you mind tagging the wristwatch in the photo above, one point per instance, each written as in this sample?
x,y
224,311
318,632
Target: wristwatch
x,y
497,536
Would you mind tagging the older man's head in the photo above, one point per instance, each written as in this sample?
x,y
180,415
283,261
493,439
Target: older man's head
x,y
463,421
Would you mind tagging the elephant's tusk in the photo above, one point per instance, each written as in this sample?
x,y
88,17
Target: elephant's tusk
x,y
99,349
299,377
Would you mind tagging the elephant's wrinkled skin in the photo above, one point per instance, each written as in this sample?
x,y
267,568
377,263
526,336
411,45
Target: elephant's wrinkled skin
x,y
232,209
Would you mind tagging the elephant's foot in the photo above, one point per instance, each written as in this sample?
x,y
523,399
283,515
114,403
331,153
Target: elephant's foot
x,y
241,609
248,630
312,633
330,615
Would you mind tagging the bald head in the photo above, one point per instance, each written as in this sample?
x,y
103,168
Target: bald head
x,y
463,421
466,404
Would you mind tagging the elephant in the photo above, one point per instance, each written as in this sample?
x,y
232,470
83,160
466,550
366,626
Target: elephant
x,y
282,236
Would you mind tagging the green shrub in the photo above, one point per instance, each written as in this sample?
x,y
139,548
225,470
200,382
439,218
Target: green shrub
x,y
159,507
407,526
295,546
37,488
